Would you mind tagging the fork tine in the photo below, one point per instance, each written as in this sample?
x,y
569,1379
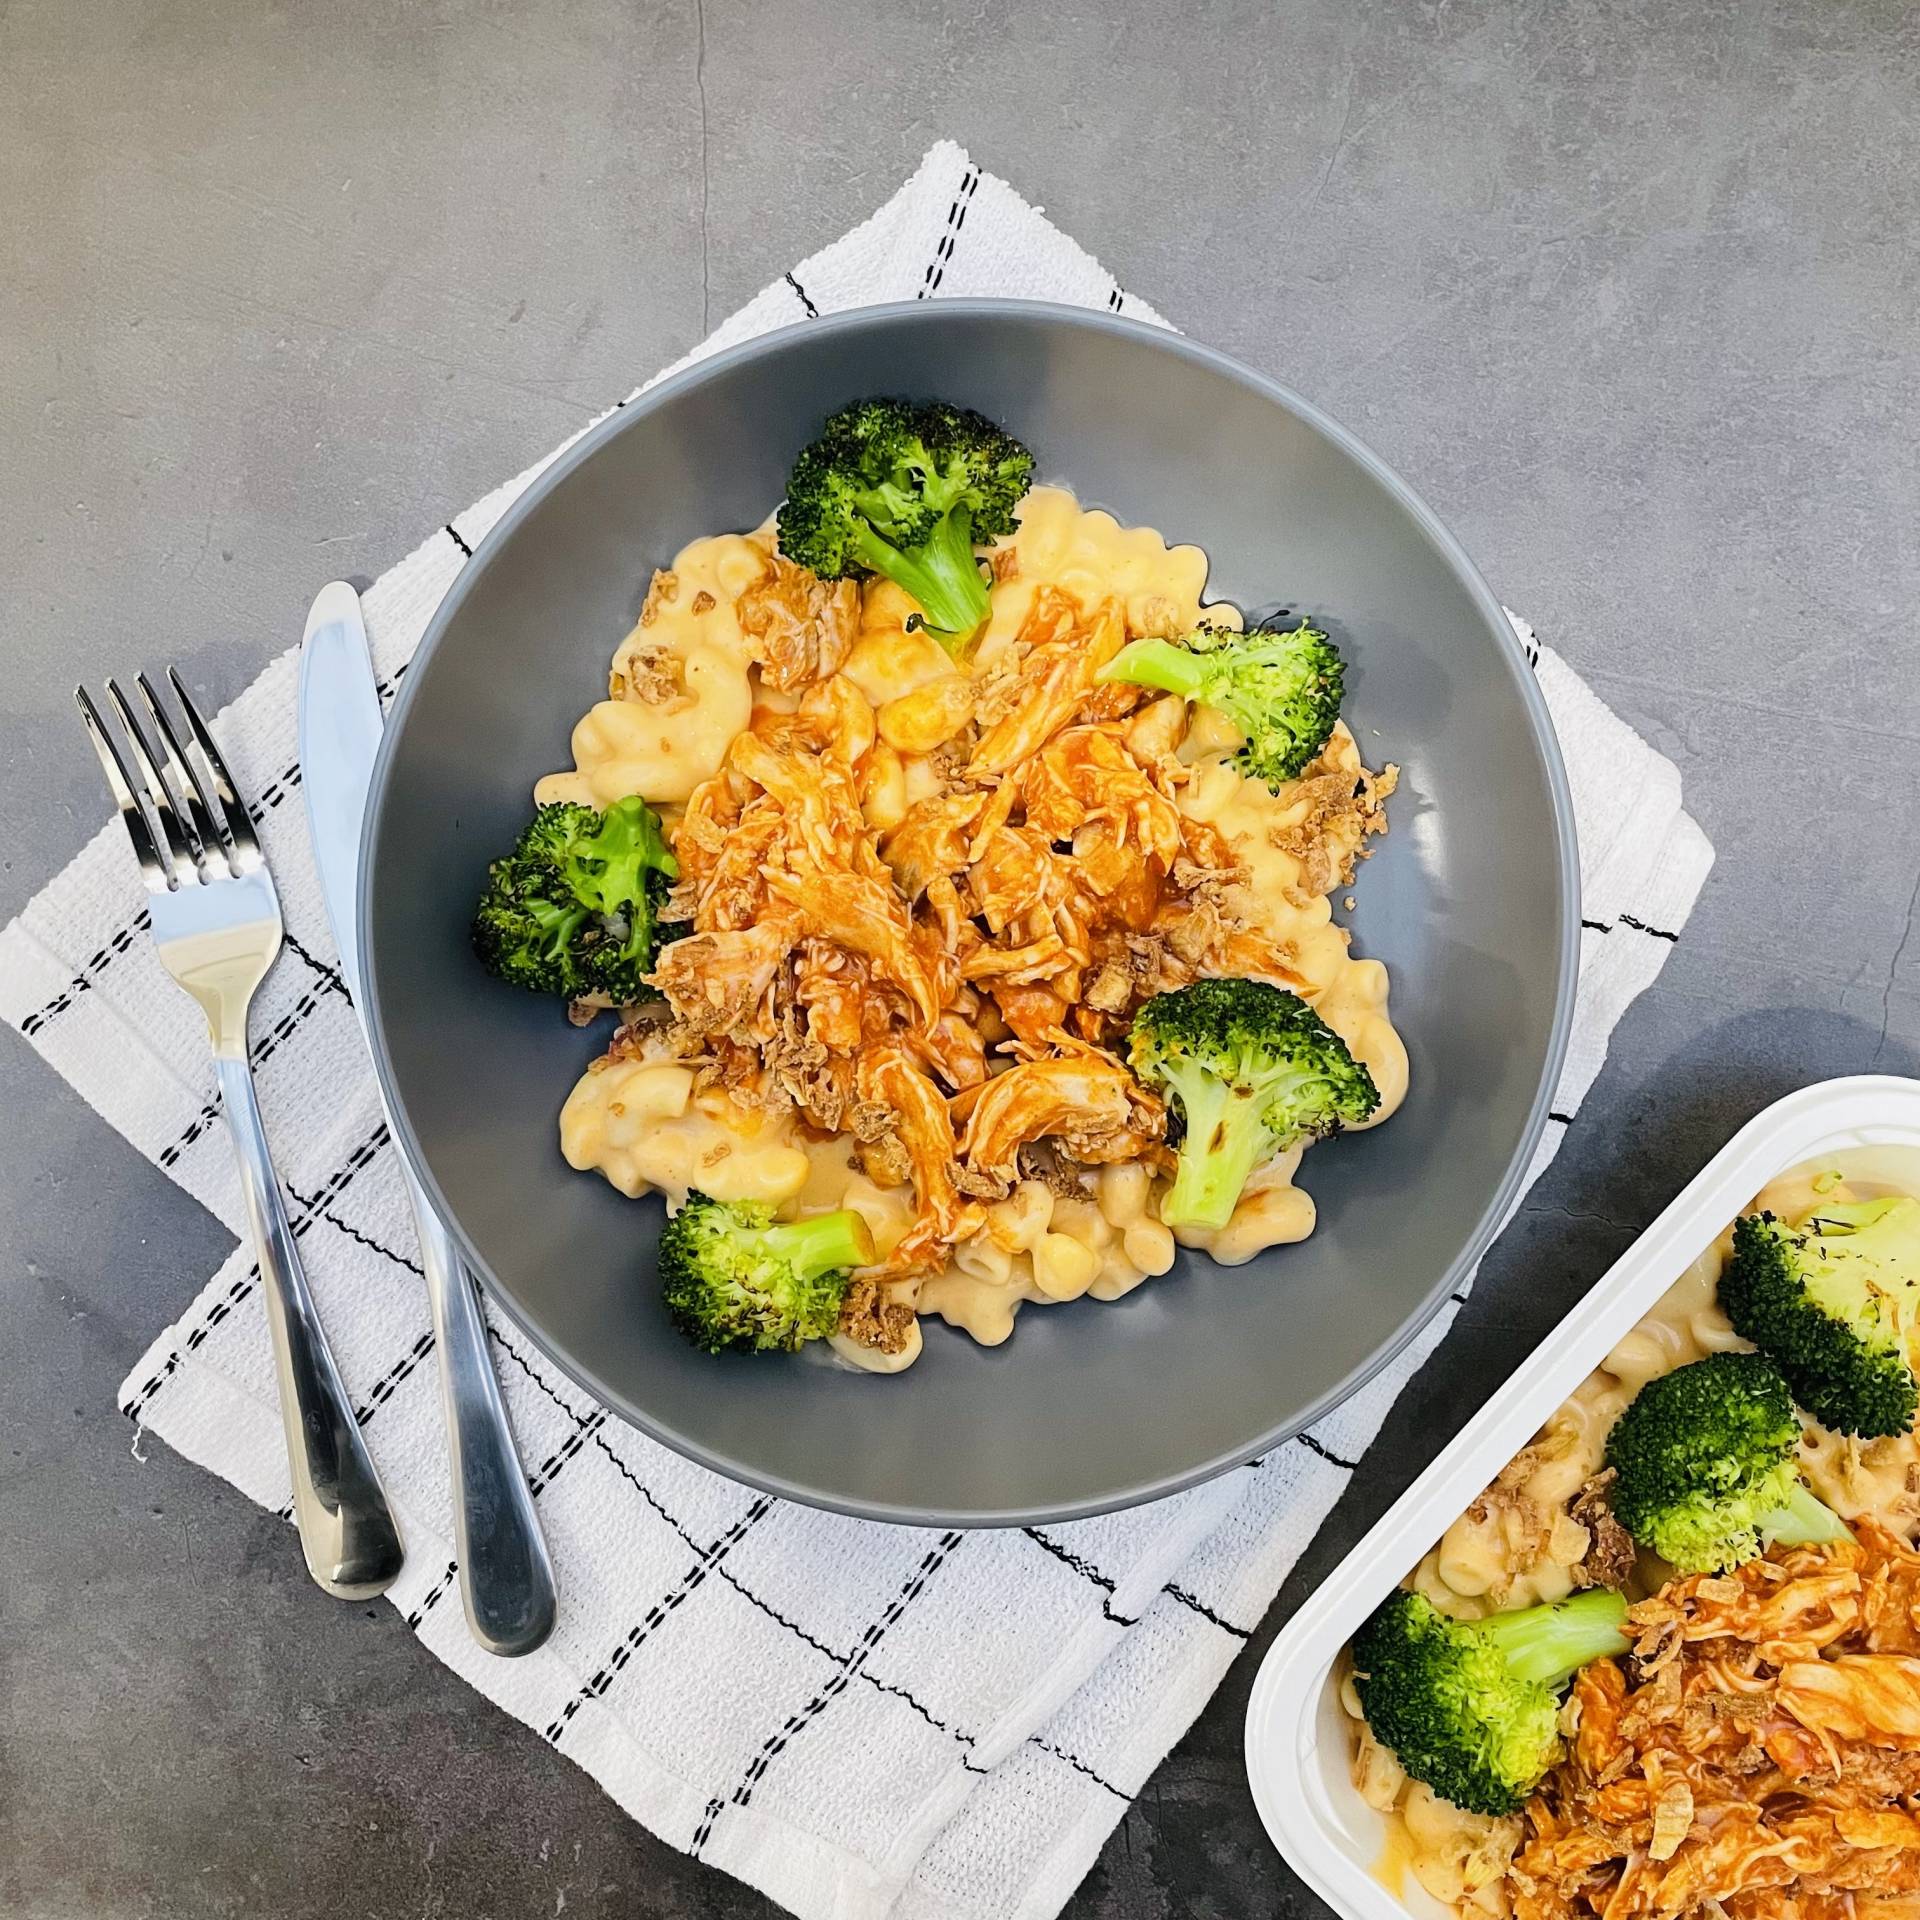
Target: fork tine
x,y
158,799
120,784
246,848
183,779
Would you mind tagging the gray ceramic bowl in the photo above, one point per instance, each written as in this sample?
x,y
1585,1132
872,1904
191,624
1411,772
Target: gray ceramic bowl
x,y
1471,901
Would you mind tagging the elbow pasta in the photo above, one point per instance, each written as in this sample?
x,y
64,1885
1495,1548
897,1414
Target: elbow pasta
x,y
684,683
1518,1545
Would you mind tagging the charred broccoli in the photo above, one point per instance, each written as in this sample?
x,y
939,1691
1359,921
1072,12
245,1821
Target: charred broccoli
x,y
1252,1069
1833,1303
1469,1706
733,1276
572,909
904,490
1280,686
1704,1459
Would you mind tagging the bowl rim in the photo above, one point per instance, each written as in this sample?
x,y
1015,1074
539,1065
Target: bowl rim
x,y
1540,737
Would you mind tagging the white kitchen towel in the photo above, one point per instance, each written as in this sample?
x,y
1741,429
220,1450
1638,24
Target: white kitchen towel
x,y
860,1719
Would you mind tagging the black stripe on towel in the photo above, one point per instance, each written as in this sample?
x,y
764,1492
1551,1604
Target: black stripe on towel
x,y
592,1423
1640,926
1079,1766
636,1636
1627,920
328,976
276,1036
117,943
797,1723
1087,1571
389,1382
1196,1605
83,980
538,1483
337,1184
271,796
956,219
434,1592
1084,1568
1326,1453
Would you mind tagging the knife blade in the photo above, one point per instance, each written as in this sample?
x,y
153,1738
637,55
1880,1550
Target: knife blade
x,y
506,1575
340,728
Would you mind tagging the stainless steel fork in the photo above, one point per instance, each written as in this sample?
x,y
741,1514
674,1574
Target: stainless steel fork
x,y
216,923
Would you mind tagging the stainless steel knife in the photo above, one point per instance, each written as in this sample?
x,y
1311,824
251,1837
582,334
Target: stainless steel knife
x,y
506,1575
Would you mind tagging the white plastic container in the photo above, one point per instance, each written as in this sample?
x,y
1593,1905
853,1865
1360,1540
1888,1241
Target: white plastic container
x,y
1299,1739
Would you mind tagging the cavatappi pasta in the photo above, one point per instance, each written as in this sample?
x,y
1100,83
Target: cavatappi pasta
x,y
703,672
1518,1544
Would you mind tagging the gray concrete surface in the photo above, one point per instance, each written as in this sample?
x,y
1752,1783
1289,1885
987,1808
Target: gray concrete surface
x,y
1628,290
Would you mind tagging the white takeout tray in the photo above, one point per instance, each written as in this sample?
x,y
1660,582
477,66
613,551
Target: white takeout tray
x,y
1299,1743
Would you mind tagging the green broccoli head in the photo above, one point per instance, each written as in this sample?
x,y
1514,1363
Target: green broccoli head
x,y
1280,686
573,908
1469,1706
1832,1303
1705,1462
732,1276
1251,1069
902,490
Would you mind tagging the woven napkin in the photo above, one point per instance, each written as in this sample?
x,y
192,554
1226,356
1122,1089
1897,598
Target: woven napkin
x,y
859,1719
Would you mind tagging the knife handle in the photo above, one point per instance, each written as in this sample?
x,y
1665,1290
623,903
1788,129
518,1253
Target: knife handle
x,y
506,1575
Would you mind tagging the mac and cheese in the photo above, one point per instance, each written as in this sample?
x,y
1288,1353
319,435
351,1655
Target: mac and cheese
x,y
1528,1539
1008,856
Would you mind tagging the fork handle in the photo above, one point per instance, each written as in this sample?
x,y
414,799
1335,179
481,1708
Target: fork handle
x,y
506,1575
347,1530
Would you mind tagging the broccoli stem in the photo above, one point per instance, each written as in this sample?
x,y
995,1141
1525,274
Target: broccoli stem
x,y
1852,1216
1805,1521
820,1245
943,575
1224,1142
1157,663
559,924
1549,1644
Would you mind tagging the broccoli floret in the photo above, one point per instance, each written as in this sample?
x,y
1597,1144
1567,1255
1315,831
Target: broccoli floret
x,y
1705,1462
904,490
573,908
1469,1706
1252,1069
1280,686
734,1277
1832,1303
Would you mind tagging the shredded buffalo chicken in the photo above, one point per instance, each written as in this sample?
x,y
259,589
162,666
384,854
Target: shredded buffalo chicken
x,y
1757,1757
956,989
